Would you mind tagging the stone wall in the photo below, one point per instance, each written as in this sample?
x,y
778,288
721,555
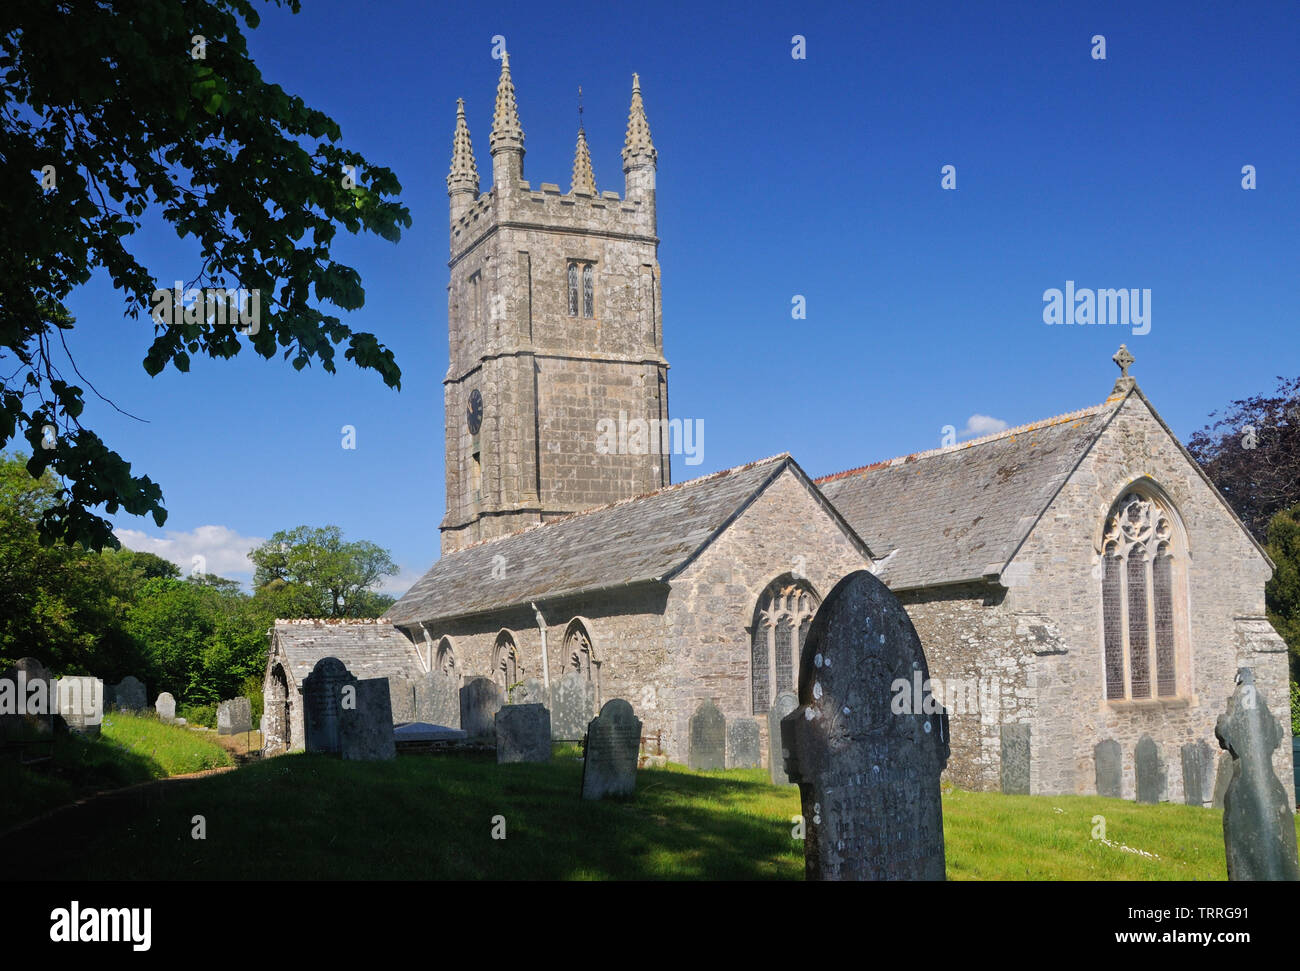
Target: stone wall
x,y
1225,575
785,531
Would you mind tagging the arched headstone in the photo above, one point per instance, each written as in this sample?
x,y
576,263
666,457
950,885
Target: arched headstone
x,y
1109,762
479,701
129,694
322,700
611,751
166,707
707,729
31,699
868,741
1149,768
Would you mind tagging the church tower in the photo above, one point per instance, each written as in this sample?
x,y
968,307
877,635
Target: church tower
x,y
555,333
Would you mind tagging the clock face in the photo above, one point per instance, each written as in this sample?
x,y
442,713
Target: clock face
x,y
474,413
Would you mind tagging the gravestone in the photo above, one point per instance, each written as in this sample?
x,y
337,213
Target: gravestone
x,y
530,692
401,700
707,730
1198,773
611,750
523,733
437,700
322,701
81,703
479,701
573,705
166,707
1258,828
786,702
868,774
234,716
28,700
1150,771
1015,759
129,694
366,727
744,744
1109,759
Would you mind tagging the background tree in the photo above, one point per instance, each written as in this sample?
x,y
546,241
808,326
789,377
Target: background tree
x,y
109,112
1282,593
1252,453
313,572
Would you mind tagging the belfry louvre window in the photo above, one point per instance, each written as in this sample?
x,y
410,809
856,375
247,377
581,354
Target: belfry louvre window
x,y
588,300
781,621
1141,584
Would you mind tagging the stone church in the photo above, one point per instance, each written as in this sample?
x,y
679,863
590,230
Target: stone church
x,y
1078,584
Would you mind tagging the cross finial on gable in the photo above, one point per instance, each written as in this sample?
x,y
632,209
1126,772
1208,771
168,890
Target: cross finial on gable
x,y
1124,360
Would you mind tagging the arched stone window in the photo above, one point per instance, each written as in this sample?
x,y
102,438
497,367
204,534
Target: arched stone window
x,y
445,660
573,289
505,661
1143,598
578,653
780,626
588,290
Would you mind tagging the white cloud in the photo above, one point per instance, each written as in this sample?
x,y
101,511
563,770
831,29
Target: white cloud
x,y
977,425
401,582
224,551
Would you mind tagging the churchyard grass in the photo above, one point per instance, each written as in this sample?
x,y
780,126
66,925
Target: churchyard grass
x,y
432,817
130,749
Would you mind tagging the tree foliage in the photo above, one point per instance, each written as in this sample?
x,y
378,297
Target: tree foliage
x,y
113,103
1252,453
1282,593
313,572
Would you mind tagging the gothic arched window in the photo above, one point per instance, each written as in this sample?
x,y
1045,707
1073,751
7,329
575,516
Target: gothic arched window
x,y
578,653
573,289
1142,582
781,621
505,661
588,290
445,661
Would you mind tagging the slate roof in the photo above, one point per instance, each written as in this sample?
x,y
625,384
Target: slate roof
x,y
644,539
960,513
370,649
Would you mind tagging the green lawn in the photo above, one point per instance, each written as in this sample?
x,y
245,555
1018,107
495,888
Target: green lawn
x,y
130,749
429,817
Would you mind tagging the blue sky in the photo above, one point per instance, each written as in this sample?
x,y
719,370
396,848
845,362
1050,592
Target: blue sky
x,y
818,177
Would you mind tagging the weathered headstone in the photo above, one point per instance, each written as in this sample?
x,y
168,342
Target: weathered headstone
x,y
786,702
401,698
707,731
744,744
1109,759
322,701
573,705
81,703
1149,768
1222,777
612,747
1015,759
28,699
523,733
530,692
366,727
1198,773
1258,828
479,701
166,707
234,716
437,700
867,744
129,694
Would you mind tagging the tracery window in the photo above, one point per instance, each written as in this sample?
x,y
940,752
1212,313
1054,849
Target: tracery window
x,y
780,627
588,288
578,650
1141,584
445,662
505,661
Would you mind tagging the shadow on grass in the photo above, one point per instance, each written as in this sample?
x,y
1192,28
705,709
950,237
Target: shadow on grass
x,y
420,818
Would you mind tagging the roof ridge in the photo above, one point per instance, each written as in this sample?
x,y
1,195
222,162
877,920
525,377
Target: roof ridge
x,y
981,440
622,502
